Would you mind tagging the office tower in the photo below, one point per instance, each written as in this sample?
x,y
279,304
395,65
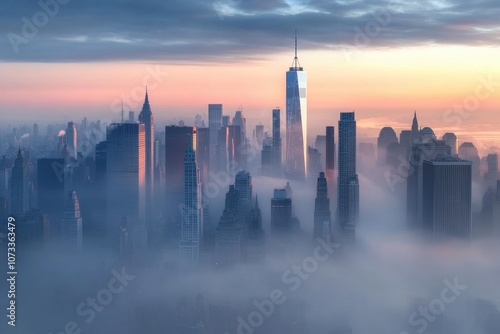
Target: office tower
x,y
192,222
125,175
320,145
226,120
296,120
414,185
19,186
255,247
347,181
314,160
491,175
228,234
71,140
415,134
146,118
51,176
131,117
259,134
214,125
451,140
71,225
244,188
386,137
276,144
468,151
241,121
322,214
330,163
405,140
202,152
281,212
427,135
447,197
267,157
222,152
177,140
235,149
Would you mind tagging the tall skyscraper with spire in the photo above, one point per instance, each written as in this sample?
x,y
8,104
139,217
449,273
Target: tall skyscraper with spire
x,y
415,133
146,118
296,120
192,220
348,184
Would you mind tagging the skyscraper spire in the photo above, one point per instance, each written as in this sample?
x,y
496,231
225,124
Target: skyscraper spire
x,y
296,64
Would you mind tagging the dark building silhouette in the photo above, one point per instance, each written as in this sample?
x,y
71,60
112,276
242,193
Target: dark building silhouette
x,y
50,176
386,137
322,214
229,232
281,212
19,186
447,187
276,144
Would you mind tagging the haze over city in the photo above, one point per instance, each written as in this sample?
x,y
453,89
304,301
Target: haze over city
x,y
250,166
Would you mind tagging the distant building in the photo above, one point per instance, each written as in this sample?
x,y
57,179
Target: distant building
x,y
314,163
71,140
468,151
19,186
281,212
266,157
276,142
146,118
386,137
447,198
255,246
228,235
214,125
451,140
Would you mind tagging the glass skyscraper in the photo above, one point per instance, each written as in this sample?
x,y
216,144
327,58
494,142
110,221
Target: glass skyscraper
x,y
348,185
296,120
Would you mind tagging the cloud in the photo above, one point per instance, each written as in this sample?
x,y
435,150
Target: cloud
x,y
231,30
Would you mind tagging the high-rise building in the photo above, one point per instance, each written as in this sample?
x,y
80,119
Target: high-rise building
x,y
19,186
414,181
255,247
71,225
146,118
214,125
296,120
267,157
491,175
347,181
415,134
320,145
468,151
51,175
243,186
451,140
234,147
314,160
386,137
447,197
177,140
276,144
322,214
71,140
259,134
125,175
405,140
202,152
228,235
330,164
192,222
131,117
281,212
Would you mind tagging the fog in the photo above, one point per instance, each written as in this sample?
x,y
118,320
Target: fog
x,y
387,282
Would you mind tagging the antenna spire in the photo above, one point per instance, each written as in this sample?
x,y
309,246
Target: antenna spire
x,y
296,64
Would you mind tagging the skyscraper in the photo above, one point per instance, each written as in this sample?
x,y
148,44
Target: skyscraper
x,y
71,140
348,185
71,225
281,212
296,120
415,134
243,185
322,215
386,137
50,190
125,175
451,140
229,232
447,197
255,250
192,222
330,162
19,186
276,144
414,181
214,125
146,118
267,157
